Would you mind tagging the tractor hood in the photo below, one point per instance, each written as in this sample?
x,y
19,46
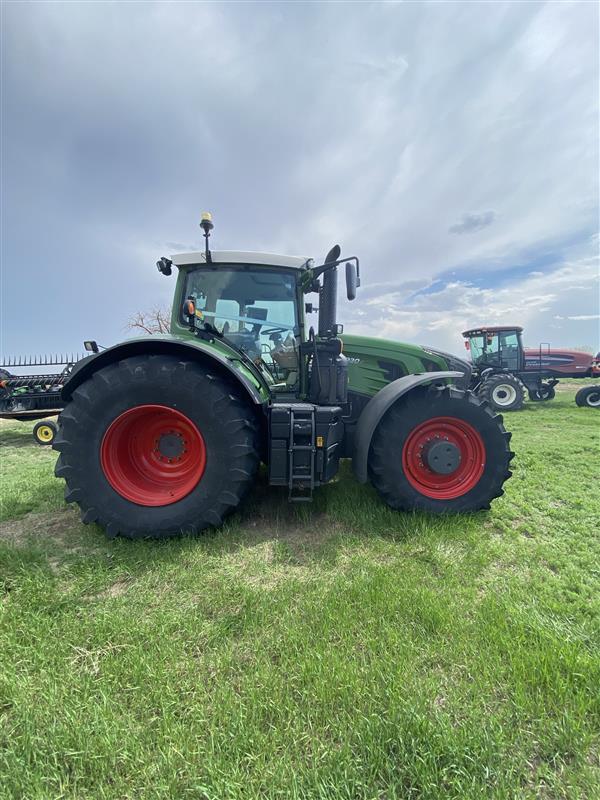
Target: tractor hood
x,y
453,362
373,363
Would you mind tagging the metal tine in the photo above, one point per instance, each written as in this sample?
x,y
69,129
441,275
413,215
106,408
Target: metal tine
x,y
38,360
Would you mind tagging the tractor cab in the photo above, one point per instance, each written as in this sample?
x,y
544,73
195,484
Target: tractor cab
x,y
254,305
500,348
252,308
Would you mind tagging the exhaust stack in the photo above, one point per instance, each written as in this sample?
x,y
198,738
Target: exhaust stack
x,y
328,296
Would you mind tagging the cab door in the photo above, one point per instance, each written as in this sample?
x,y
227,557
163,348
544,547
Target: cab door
x,y
510,350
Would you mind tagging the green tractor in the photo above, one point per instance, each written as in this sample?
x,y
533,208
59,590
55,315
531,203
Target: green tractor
x,y
164,435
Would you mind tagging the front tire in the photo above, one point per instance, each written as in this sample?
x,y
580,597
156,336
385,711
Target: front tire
x,y
154,447
440,450
588,396
503,391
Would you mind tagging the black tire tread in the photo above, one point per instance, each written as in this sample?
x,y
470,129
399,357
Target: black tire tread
x,y
548,391
49,424
485,391
235,415
379,454
581,398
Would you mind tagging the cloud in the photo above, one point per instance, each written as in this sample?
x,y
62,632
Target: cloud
x,y
581,317
471,223
437,318
381,126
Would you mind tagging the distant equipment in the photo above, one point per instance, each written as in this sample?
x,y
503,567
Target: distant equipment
x,y
36,396
503,370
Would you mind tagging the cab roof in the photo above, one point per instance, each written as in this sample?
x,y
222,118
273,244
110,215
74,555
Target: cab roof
x,y
240,257
492,329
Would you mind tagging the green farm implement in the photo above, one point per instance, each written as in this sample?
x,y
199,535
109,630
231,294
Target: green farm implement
x,y
35,396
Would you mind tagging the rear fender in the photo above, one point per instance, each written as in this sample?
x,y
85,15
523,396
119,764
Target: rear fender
x,y
198,351
376,408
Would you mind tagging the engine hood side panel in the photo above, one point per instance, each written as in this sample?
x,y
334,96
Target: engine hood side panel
x,y
374,363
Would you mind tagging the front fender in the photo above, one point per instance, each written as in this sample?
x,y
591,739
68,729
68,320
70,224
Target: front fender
x,y
376,408
153,345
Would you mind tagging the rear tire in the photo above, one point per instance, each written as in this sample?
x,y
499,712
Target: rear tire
x,y
395,466
152,447
546,393
44,432
503,391
588,396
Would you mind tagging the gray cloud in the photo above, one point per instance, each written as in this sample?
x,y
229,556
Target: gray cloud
x,y
471,223
297,125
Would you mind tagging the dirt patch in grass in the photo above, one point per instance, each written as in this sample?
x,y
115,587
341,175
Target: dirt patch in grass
x,y
300,537
58,531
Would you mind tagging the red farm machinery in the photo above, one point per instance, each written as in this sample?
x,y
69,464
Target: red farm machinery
x,y
504,370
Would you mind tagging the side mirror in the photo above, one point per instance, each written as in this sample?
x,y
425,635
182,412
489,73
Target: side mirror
x,y
164,266
351,280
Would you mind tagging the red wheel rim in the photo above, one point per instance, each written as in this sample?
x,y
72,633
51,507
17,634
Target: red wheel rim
x,y
468,472
153,455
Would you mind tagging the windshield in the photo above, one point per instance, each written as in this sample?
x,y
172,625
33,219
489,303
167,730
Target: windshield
x,y
477,348
497,349
253,309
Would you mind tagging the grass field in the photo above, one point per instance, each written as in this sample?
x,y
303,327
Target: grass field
x,y
337,651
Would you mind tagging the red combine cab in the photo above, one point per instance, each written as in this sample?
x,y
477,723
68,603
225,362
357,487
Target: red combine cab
x,y
503,369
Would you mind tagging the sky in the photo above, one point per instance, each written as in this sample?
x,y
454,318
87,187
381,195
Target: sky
x,y
453,147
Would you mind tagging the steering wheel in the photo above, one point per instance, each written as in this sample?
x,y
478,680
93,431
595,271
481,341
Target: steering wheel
x,y
281,329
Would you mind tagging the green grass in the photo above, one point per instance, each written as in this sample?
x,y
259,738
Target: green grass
x,y
340,650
